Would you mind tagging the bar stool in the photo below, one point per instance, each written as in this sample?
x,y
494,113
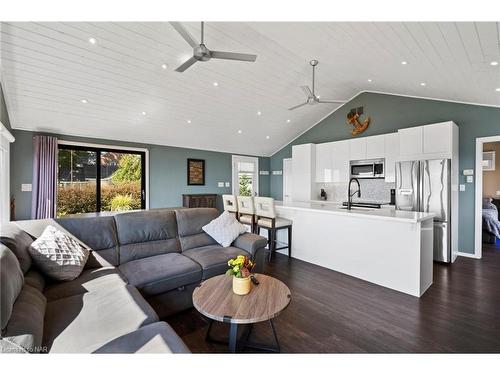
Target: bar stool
x,y
246,211
230,204
266,218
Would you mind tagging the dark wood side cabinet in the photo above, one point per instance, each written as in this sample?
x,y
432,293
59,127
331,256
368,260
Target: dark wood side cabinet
x,y
199,200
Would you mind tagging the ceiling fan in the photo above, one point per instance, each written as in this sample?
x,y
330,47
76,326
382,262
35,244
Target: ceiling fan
x,y
312,98
202,53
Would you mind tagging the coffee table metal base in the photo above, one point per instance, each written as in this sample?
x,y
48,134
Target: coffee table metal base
x,y
238,345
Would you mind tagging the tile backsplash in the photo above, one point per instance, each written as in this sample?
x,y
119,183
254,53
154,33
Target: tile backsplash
x,y
372,190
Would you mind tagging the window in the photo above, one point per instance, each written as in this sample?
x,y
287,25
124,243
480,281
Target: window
x,y
92,179
245,175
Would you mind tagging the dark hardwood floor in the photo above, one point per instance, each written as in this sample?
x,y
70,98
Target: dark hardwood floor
x,y
334,313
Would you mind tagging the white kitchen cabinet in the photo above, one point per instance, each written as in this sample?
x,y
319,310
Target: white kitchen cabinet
x,y
437,138
340,161
303,171
357,149
324,159
375,147
391,154
410,141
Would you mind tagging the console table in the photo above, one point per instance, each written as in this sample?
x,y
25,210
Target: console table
x,y
199,200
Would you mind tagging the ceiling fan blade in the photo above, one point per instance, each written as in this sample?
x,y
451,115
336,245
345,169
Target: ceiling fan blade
x,y
307,91
186,65
331,101
186,35
233,56
297,106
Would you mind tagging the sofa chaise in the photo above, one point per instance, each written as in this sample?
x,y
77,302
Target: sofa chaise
x,y
143,267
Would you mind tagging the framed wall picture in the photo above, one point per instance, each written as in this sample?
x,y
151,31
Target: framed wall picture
x,y
195,172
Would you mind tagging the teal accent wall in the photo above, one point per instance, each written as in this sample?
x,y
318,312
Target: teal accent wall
x,y
391,112
167,171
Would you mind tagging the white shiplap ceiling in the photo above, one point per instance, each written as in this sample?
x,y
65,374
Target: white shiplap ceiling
x,y
48,68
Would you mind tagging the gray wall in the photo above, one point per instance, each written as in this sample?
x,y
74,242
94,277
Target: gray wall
x,y
167,171
391,112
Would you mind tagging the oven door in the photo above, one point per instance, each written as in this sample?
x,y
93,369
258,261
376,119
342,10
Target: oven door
x,y
365,170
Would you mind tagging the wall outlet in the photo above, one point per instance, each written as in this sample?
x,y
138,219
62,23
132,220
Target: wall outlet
x,y
462,187
470,179
228,184
220,184
468,172
26,187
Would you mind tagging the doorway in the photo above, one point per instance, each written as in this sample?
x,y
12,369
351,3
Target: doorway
x,y
487,194
245,175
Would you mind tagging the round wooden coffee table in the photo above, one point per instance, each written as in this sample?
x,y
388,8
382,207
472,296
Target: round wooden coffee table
x,y
215,299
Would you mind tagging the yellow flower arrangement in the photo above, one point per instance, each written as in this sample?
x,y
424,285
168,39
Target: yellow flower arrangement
x,y
240,266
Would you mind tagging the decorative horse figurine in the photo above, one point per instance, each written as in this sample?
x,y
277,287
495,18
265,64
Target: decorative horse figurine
x,y
359,127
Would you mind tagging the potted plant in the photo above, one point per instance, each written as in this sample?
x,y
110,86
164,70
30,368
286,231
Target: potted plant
x,y
240,268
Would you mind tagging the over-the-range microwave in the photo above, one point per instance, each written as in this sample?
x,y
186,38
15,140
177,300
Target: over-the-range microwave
x,y
372,168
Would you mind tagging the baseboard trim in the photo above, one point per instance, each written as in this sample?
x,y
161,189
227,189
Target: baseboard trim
x,y
468,255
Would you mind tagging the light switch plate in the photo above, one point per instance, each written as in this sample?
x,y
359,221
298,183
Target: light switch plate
x,y
228,184
264,173
277,173
468,172
220,184
462,187
26,187
498,192
470,179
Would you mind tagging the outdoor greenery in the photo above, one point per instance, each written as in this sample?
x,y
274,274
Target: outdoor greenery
x,y
129,169
81,198
245,185
121,203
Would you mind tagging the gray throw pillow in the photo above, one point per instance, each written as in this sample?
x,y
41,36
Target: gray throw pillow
x,y
58,255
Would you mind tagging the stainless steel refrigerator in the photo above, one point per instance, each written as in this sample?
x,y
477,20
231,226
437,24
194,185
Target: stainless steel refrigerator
x,y
425,186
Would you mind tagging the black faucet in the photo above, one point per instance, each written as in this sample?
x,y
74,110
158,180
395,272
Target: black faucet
x,y
349,194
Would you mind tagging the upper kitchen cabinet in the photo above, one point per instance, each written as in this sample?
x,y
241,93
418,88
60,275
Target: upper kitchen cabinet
x,y
303,171
324,161
375,147
357,148
432,141
391,154
410,141
438,138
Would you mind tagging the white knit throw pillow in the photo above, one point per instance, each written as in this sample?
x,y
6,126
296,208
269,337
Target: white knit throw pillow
x,y
58,255
224,229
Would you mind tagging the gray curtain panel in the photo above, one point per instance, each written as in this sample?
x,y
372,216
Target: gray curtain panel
x,y
43,204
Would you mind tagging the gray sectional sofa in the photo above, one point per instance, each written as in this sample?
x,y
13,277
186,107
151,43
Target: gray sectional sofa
x,y
143,267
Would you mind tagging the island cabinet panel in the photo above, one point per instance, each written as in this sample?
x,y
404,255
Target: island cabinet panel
x,y
375,147
331,238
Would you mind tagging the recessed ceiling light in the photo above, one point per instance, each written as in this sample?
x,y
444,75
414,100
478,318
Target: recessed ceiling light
x,y
240,131
497,89
188,121
369,79
92,40
259,113
422,83
267,137
84,101
164,66
288,121
143,113
216,84
494,63
404,62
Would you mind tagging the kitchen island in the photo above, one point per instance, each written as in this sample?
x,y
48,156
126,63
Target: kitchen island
x,y
384,246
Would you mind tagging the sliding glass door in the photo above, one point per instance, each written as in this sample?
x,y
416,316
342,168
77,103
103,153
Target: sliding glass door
x,y
98,179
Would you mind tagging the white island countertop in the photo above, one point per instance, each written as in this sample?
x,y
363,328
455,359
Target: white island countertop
x,y
367,213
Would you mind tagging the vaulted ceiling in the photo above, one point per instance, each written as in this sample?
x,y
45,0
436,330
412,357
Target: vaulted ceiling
x,y
50,69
